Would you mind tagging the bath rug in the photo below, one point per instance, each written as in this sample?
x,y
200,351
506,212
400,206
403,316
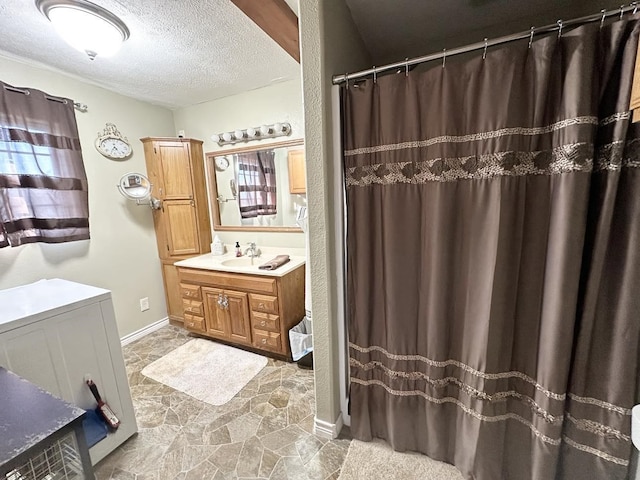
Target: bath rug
x,y
377,460
206,370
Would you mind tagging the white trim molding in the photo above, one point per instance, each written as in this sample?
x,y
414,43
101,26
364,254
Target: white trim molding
x,y
138,334
326,429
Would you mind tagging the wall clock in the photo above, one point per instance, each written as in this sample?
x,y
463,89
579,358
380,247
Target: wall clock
x,y
222,163
112,144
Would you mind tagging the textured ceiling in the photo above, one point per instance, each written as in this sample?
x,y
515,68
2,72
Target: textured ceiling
x,y
180,52
395,29
184,52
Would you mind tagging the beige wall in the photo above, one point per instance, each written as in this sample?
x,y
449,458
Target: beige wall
x,y
280,102
121,255
329,45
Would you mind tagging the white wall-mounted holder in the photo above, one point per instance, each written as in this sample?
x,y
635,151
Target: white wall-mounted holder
x,y
137,187
255,133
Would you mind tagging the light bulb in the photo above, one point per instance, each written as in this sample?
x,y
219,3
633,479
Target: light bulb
x,y
215,138
226,136
265,130
251,132
239,134
277,128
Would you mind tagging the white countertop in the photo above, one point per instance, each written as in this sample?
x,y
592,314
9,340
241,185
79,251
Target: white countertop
x,y
29,301
209,261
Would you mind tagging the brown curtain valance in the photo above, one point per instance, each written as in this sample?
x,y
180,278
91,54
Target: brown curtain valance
x,y
493,218
43,184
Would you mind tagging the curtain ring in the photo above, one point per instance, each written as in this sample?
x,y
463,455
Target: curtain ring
x,y
375,75
484,54
559,22
533,29
621,11
444,56
604,15
406,67
346,77
635,8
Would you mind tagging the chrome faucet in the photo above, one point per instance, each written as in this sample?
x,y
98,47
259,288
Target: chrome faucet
x,y
252,251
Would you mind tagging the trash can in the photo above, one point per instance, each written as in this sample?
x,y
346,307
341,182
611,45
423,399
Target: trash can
x,y
301,342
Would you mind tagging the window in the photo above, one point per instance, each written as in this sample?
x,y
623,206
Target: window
x,y
256,179
43,184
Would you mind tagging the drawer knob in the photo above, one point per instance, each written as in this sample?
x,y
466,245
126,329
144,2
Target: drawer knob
x,y
264,340
261,305
263,323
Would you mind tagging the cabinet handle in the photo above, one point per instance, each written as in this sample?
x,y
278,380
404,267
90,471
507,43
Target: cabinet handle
x,y
193,204
264,340
261,305
223,301
263,323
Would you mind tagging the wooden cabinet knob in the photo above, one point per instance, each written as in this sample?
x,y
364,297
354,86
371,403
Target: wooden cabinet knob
x,y
263,323
264,340
261,305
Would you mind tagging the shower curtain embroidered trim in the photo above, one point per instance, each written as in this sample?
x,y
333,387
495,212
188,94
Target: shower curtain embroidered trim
x,y
575,157
466,409
595,451
463,366
471,137
591,426
468,389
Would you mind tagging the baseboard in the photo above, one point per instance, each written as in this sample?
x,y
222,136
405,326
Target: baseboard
x,y
138,334
326,429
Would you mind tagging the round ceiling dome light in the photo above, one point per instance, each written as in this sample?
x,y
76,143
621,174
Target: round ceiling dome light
x,y
85,26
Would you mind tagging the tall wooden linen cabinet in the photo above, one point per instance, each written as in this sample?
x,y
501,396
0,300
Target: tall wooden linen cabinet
x,y
175,167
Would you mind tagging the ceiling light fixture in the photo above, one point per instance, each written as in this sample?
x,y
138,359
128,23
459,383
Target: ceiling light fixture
x,y
85,26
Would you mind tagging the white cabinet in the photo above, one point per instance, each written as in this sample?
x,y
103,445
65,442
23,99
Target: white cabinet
x,y
53,333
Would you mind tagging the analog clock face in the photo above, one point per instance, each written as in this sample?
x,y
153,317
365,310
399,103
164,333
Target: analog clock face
x,y
113,147
222,163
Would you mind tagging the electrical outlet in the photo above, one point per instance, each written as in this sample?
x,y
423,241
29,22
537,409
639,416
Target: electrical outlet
x,y
144,304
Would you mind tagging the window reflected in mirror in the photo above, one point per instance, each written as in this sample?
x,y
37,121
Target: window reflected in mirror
x,y
259,187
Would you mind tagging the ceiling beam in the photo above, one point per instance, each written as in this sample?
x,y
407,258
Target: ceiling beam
x,y
276,19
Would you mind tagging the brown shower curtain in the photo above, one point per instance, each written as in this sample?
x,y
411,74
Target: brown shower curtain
x,y
256,179
493,258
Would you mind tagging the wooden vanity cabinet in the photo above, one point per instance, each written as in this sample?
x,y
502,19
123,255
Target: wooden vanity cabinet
x,y
175,167
246,310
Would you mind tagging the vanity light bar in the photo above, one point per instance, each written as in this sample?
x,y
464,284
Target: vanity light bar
x,y
257,133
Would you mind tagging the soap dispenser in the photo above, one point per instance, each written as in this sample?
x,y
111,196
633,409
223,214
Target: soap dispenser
x,y
238,250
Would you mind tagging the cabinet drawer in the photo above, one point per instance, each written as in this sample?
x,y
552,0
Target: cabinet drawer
x,y
192,306
234,281
193,322
269,340
191,291
265,321
264,303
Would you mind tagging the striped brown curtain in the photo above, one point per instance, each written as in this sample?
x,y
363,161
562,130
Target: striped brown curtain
x,y
43,185
493,257
256,180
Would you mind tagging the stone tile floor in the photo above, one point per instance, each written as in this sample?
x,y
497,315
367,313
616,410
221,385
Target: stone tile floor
x,y
264,432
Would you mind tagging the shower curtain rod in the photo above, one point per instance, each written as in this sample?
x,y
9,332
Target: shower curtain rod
x,y
558,26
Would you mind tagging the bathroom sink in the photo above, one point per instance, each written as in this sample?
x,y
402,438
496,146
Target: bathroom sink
x,y
240,262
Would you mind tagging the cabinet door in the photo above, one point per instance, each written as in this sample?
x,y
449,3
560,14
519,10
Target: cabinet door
x,y
297,172
175,166
172,291
215,315
239,321
181,227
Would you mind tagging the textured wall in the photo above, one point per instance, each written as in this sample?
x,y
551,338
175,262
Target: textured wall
x,y
122,254
280,102
329,45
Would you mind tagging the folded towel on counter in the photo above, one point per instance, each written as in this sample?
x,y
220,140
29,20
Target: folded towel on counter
x,y
275,262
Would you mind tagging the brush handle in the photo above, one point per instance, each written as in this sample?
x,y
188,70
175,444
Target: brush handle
x,y
94,389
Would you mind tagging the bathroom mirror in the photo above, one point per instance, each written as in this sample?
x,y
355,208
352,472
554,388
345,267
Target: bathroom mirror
x,y
258,188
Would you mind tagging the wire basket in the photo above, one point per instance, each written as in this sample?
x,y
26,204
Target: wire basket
x,y
59,460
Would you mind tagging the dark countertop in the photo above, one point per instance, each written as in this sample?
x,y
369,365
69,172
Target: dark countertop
x,y
28,415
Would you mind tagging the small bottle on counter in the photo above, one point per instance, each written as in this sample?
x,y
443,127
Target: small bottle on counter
x,y
238,250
